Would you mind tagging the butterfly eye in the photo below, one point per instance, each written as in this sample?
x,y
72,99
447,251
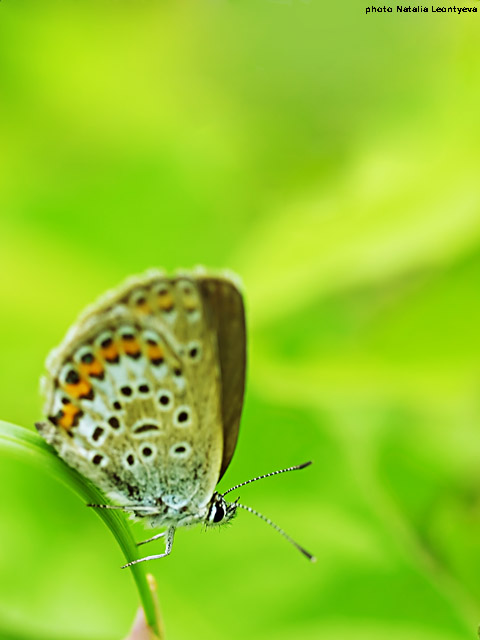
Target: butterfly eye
x,y
218,510
219,514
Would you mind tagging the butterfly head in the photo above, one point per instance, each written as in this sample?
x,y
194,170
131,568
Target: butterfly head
x,y
220,511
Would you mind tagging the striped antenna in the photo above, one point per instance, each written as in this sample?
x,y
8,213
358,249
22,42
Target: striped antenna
x,y
277,528
267,475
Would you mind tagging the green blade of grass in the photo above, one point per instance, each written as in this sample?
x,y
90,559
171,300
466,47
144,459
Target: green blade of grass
x,y
28,445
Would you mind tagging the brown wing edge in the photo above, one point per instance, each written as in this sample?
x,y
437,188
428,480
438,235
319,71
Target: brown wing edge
x,y
227,319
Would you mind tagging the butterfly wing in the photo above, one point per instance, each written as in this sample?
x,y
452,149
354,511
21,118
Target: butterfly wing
x,y
226,318
134,395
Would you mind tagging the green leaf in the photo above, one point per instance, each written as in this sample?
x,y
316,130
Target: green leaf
x,y
28,445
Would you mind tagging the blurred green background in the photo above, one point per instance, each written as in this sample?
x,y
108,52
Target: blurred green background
x,y
332,160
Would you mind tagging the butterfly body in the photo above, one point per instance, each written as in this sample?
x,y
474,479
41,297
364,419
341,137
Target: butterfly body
x,y
144,395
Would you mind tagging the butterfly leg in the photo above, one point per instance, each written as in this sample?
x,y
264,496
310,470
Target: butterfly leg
x,y
168,547
133,507
159,535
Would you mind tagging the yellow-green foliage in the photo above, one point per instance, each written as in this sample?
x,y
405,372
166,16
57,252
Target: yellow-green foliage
x,y
331,159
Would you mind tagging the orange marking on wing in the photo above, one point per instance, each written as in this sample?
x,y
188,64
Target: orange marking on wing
x,y
144,307
69,415
93,368
155,352
190,303
110,352
165,301
130,347
80,389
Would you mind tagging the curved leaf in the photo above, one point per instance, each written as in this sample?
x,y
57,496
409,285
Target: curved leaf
x,y
28,445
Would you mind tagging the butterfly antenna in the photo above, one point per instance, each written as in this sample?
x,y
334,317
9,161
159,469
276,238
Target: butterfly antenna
x,y
281,531
267,475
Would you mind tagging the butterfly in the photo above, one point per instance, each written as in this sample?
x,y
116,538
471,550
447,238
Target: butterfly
x,y
144,398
